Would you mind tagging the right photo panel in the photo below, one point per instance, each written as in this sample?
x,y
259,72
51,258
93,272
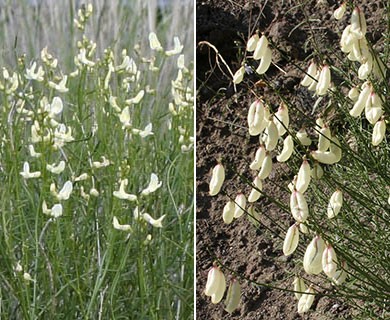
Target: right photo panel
x,y
292,159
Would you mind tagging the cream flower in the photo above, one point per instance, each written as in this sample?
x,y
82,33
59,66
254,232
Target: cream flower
x,y
154,184
61,86
154,222
56,169
32,75
65,192
122,194
26,174
118,226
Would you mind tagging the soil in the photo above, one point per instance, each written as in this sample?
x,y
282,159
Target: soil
x,y
244,249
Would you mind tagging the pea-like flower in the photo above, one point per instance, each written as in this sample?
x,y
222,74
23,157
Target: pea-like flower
x,y
282,119
271,136
118,226
261,48
239,75
256,190
55,211
61,86
65,192
288,148
304,177
240,205
298,206
122,194
154,42
266,167
56,169
299,287
217,179
252,43
216,284
310,75
228,212
291,240
323,81
259,157
329,261
177,49
26,174
256,121
306,300
335,204
312,260
233,296
154,184
265,61
157,223
32,75
379,132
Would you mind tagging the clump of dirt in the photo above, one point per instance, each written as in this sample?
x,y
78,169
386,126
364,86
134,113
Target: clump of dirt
x,y
250,251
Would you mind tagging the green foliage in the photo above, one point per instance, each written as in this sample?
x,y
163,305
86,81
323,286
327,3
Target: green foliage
x,y
125,115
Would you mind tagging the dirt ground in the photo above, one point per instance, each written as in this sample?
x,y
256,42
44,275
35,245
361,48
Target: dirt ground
x,y
255,252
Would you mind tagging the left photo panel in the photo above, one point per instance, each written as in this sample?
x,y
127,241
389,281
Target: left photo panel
x,y
97,159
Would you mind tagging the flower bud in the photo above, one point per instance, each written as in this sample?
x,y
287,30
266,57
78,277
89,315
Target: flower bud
x,y
323,81
335,204
255,192
239,75
259,157
288,148
217,179
304,176
240,204
299,286
228,212
339,12
311,73
291,240
312,260
216,285
306,300
252,43
329,261
298,206
261,48
266,167
379,132
265,61
233,296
